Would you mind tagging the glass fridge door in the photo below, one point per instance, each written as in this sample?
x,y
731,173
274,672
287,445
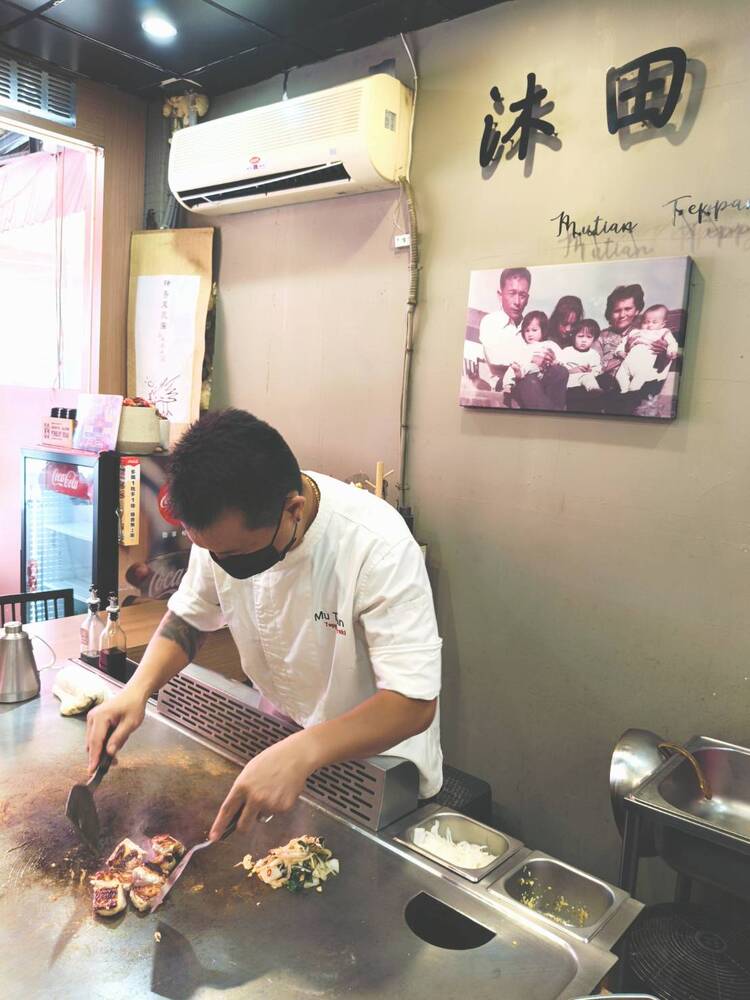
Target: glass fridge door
x,y
58,527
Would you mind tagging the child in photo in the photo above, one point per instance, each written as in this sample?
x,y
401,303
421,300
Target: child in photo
x,y
584,363
641,363
533,338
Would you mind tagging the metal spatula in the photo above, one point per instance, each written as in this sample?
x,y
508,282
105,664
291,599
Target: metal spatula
x,y
167,887
81,808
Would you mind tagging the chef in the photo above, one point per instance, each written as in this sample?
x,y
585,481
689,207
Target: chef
x,y
326,595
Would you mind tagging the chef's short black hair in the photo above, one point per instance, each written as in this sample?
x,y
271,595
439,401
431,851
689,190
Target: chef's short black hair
x,y
231,460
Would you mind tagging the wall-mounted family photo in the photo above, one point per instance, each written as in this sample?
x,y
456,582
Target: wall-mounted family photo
x,y
600,338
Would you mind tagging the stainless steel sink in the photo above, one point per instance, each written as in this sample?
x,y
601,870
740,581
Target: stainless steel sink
x,y
673,788
727,770
701,837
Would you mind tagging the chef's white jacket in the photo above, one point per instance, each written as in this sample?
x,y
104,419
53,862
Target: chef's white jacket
x,y
346,613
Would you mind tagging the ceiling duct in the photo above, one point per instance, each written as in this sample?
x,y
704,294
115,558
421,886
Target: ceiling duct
x,y
27,87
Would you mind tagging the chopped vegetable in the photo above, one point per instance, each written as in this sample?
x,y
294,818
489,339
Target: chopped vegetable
x,y
303,863
463,854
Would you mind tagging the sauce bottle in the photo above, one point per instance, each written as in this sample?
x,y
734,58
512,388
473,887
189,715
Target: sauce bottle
x,y
91,629
113,648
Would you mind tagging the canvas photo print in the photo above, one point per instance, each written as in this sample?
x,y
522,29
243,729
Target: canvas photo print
x,y
601,338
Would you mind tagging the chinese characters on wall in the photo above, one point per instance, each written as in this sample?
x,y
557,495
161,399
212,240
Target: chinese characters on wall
x,y
644,91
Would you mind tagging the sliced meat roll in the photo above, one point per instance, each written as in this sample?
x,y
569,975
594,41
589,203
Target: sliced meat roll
x,y
166,851
142,896
127,854
109,900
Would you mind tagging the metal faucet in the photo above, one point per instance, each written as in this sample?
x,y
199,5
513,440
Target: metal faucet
x,y
702,779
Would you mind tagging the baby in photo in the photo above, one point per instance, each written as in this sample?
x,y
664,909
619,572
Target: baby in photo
x,y
641,363
582,361
533,339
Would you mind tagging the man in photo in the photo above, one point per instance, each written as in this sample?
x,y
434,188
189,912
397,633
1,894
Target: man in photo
x,y
500,337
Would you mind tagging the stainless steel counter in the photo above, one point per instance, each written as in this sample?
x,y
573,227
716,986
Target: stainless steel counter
x,y
222,933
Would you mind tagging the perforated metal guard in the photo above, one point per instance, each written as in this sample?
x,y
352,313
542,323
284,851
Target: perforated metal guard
x,y
372,792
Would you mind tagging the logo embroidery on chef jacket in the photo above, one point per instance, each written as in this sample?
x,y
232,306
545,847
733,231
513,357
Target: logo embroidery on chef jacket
x,y
331,620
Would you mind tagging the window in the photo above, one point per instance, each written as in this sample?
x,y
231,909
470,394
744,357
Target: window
x,y
48,271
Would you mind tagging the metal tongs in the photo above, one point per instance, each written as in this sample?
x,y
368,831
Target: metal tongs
x,y
168,885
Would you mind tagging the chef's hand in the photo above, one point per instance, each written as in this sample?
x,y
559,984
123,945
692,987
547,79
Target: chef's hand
x,y
269,784
122,715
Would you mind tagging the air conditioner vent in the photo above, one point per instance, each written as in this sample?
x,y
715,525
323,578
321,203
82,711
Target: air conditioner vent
x,y
285,180
28,88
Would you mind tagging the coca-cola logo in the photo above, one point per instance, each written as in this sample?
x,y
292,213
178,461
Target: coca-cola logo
x,y
67,479
164,508
163,585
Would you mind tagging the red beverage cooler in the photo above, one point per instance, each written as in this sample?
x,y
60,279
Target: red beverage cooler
x,y
72,526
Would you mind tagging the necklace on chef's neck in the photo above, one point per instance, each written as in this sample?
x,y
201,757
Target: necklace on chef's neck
x,y
316,496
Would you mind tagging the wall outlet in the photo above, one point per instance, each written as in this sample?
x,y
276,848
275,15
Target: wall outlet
x,y
401,240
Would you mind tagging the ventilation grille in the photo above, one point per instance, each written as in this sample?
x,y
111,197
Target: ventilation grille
x,y
355,788
25,86
287,180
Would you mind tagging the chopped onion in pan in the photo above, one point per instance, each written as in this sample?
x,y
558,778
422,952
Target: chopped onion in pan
x,y
462,854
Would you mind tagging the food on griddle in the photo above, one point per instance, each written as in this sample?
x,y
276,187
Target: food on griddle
x,y
109,900
138,872
109,876
148,874
166,851
303,863
142,896
126,854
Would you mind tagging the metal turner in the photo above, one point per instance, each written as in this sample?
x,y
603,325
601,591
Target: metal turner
x,y
81,808
168,885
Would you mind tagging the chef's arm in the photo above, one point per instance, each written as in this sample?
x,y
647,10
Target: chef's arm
x,y
172,647
377,724
273,779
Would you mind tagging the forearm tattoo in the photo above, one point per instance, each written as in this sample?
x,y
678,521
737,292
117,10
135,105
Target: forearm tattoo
x,y
187,637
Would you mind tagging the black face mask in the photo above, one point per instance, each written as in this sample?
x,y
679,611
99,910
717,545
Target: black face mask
x,y
251,563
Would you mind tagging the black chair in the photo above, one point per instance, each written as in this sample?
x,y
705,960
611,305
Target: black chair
x,y
36,606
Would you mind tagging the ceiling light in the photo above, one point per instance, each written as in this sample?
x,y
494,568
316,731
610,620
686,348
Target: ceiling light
x,y
157,27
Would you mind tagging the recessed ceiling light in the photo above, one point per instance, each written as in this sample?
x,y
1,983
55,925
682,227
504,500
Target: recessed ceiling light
x,y
157,27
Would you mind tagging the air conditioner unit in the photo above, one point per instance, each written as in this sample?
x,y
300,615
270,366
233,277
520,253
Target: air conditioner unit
x,y
345,140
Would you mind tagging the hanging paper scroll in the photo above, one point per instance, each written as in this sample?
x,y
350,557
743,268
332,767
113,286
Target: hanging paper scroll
x,y
170,286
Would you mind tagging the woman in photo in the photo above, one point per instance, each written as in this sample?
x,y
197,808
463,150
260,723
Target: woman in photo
x,y
565,315
623,312
624,306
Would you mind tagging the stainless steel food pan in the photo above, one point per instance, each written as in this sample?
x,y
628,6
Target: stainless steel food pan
x,y
462,828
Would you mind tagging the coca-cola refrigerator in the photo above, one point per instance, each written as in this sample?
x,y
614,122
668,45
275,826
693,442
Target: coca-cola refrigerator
x,y
101,519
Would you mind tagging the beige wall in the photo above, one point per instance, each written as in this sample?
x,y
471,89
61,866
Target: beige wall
x,y
310,317
590,574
